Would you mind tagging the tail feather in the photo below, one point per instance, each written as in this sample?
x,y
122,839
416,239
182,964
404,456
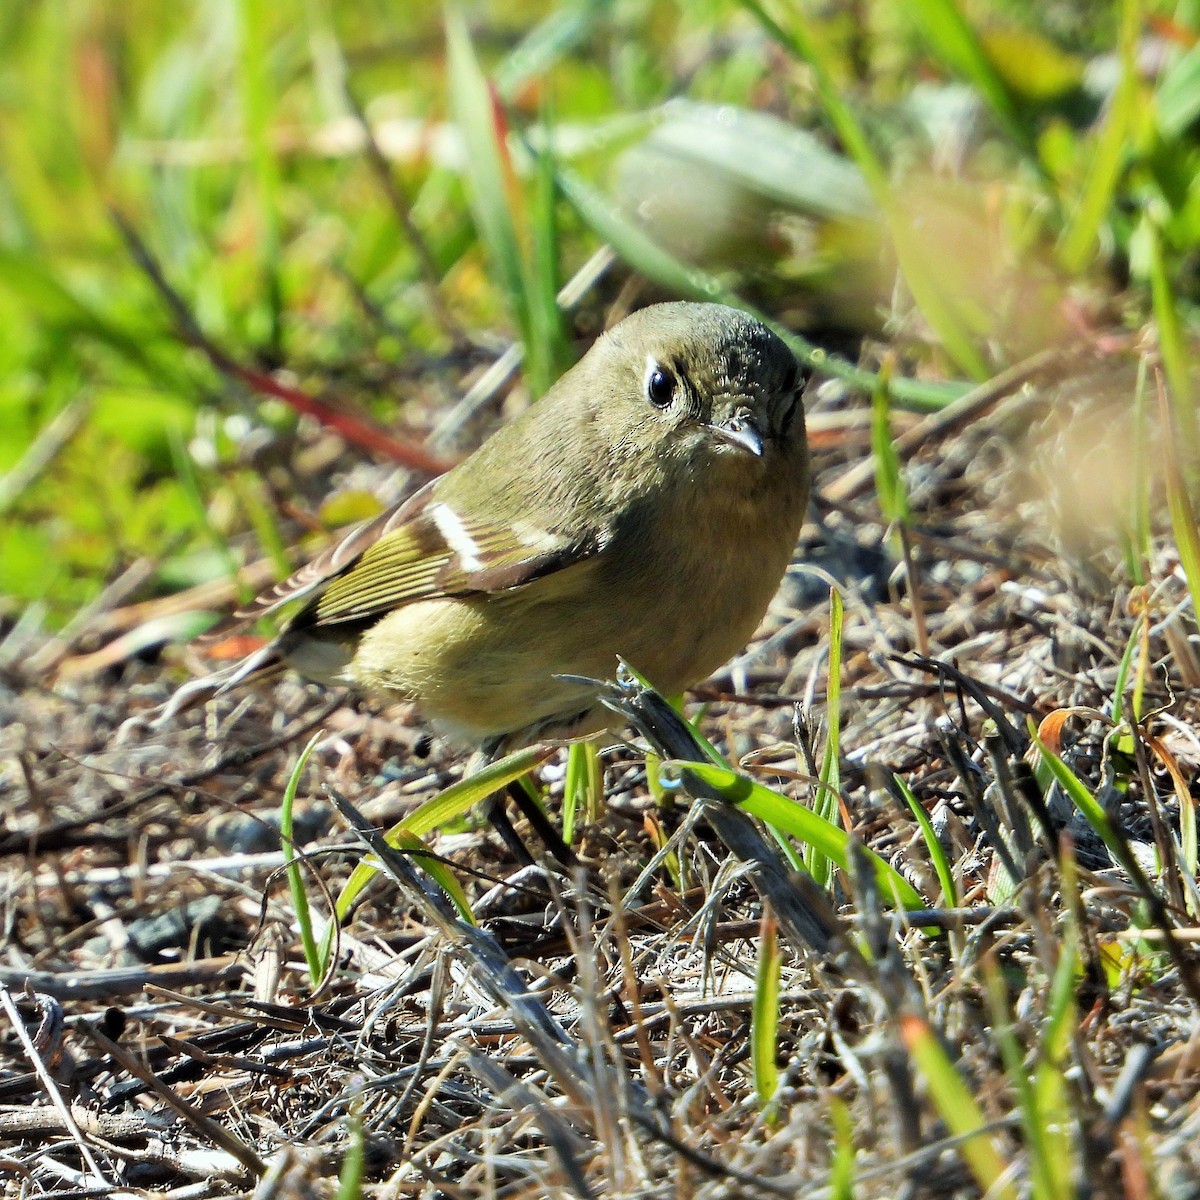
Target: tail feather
x,y
262,664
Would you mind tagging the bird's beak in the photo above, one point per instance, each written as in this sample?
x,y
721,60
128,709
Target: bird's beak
x,y
741,431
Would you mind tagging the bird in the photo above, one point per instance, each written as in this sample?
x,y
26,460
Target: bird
x,y
644,509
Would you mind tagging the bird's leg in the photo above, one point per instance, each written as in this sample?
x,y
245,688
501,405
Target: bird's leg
x,y
542,825
495,812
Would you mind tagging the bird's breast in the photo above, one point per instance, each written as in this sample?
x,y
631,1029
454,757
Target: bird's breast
x,y
679,587
697,571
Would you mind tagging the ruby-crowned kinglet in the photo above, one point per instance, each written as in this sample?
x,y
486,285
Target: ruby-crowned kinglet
x,y
646,507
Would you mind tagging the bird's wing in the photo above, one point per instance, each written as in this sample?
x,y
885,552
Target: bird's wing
x,y
419,550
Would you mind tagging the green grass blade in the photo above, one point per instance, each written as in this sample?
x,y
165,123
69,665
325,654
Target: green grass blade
x,y
1083,800
453,802
957,1107
583,787
841,1169
353,1172
1137,549
295,876
489,174
1110,148
1040,1172
938,309
547,352
936,854
1189,839
637,247
798,41
1172,344
257,105
1051,1092
1177,100
646,256
1123,667
825,804
437,871
764,1015
766,156
563,29
1179,503
951,38
799,822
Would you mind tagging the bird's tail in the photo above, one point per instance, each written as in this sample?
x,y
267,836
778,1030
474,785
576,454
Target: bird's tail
x,y
261,664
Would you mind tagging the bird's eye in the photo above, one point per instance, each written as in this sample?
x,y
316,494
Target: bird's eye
x,y
660,385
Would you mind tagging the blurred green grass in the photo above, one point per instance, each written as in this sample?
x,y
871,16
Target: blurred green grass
x,y
1030,170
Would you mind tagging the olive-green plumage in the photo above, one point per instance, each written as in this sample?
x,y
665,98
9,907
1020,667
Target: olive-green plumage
x,y
646,507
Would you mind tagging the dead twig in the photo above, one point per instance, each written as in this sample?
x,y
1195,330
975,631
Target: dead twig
x,y
48,1083
204,1124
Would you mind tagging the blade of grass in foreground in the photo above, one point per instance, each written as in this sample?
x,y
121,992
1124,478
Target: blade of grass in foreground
x,y
952,39
257,105
561,31
312,956
353,1172
548,353
519,233
1179,501
583,786
1172,344
765,155
453,802
1046,1114
1110,145
764,1015
825,804
800,822
841,1169
1137,539
1083,800
1048,1158
1050,1087
957,1107
1177,100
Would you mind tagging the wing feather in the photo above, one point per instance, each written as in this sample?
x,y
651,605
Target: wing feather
x,y
309,580
418,550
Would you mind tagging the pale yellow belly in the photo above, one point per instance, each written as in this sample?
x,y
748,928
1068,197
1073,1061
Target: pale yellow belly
x,y
486,666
